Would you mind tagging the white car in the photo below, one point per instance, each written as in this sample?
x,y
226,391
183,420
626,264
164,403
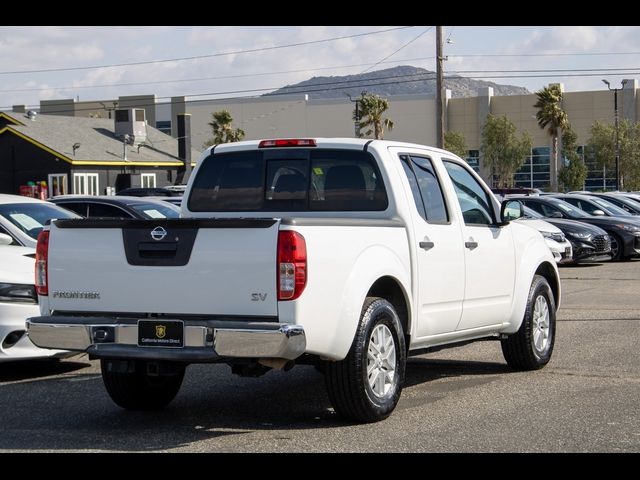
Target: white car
x,y
556,241
22,218
18,300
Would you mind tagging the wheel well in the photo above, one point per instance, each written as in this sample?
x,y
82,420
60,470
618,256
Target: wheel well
x,y
389,289
548,272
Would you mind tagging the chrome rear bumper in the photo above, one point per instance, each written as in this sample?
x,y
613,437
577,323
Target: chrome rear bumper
x,y
202,343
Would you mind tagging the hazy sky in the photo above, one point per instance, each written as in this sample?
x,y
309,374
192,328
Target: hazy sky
x,y
472,49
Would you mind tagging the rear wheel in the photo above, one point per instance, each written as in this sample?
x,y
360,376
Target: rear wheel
x,y
530,348
130,385
366,385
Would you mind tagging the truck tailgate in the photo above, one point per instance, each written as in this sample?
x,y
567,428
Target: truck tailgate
x,y
205,266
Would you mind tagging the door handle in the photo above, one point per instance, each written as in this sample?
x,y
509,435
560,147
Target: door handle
x,y
427,245
471,244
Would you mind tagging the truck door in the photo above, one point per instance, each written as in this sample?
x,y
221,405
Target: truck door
x,y
488,251
437,246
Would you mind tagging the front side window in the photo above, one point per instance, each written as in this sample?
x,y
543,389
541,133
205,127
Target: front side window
x,y
291,180
474,200
153,210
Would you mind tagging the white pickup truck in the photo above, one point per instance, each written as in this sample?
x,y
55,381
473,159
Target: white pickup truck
x,y
344,253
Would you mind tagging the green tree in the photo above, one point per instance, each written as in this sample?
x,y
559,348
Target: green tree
x,y
371,108
455,143
502,150
572,175
551,116
602,144
223,131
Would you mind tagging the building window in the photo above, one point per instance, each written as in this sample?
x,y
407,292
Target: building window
x,y
535,172
598,178
164,126
148,180
57,184
473,160
85,184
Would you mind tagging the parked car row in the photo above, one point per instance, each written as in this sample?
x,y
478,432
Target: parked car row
x,y
598,225
21,220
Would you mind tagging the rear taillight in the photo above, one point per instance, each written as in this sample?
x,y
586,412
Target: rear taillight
x,y
287,142
42,256
292,265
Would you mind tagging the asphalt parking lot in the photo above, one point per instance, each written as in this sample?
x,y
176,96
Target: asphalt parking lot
x,y
460,400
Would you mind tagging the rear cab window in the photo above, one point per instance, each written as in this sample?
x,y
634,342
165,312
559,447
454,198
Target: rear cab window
x,y
289,180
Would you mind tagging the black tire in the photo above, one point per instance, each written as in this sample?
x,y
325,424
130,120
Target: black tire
x,y
347,381
616,240
519,349
138,391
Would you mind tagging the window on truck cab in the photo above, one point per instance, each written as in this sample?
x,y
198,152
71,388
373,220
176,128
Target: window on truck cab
x,y
476,206
291,180
426,189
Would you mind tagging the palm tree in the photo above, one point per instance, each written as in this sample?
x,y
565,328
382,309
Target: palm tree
x,y
551,116
223,132
371,108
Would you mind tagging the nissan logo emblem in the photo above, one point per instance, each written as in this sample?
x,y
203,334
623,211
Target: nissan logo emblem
x,y
158,233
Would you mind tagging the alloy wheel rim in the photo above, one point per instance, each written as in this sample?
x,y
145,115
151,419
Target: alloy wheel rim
x,y
381,361
614,247
541,322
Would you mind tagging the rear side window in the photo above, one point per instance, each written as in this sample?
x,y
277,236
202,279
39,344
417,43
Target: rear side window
x,y
289,180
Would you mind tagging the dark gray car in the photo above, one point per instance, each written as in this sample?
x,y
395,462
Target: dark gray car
x,y
118,207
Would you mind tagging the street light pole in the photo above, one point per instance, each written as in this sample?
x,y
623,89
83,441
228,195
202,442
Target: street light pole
x,y
356,123
619,184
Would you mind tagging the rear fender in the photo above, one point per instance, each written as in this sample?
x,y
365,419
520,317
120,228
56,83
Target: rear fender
x,y
373,263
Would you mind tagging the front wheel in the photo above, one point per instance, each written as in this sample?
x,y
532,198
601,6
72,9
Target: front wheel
x,y
530,348
133,388
366,385
617,248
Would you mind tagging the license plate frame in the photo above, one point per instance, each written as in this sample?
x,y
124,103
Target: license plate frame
x,y
161,333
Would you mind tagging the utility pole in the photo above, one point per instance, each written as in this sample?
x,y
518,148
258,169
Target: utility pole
x,y
439,88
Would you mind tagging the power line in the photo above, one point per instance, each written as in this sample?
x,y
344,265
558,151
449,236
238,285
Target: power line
x,y
220,77
212,55
566,54
403,46
224,77
282,72
227,92
367,83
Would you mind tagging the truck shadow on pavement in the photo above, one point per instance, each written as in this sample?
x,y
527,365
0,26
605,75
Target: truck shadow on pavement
x,y
65,413
33,369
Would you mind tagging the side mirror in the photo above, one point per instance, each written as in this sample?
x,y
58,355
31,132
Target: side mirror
x,y
5,239
555,215
598,213
511,210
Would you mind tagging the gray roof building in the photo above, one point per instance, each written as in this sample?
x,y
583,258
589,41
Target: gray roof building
x,y
80,155
98,143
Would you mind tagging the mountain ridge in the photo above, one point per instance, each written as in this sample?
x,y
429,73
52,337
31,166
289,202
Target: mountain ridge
x,y
400,80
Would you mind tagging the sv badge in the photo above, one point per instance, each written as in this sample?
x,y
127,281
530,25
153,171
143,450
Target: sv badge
x,y
258,297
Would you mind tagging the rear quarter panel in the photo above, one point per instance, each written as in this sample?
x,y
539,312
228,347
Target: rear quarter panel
x,y
343,263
